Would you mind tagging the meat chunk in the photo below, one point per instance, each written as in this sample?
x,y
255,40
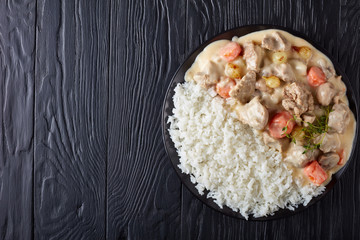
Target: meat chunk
x,y
298,158
318,110
254,114
329,160
328,70
275,42
308,118
297,99
325,93
328,142
261,85
280,144
244,88
283,71
205,80
340,86
210,72
253,56
339,118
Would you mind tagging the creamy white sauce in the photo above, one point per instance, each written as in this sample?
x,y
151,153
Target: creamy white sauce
x,y
210,62
208,57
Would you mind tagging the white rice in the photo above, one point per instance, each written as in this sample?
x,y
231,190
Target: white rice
x,y
230,159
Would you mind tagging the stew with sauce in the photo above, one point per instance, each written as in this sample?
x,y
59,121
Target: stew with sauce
x,y
283,87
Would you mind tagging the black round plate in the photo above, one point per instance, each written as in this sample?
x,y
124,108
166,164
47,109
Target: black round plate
x,y
169,105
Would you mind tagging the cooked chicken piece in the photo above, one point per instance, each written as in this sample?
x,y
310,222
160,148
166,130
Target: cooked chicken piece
x,y
308,118
280,144
261,85
297,99
325,93
210,72
205,80
318,110
297,157
337,99
244,88
254,114
275,42
253,55
341,88
339,118
257,93
283,71
328,70
328,142
329,160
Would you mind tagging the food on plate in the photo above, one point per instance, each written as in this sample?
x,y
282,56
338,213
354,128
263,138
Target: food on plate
x,y
281,124
315,173
262,122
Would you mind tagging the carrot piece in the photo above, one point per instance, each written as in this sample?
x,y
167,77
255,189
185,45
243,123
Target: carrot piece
x,y
224,86
230,51
316,77
280,121
315,173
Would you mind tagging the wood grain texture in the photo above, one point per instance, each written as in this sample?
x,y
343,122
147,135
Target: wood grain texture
x,y
71,119
82,85
17,43
147,46
337,215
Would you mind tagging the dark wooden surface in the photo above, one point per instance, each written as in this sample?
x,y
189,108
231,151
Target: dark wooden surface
x,y
82,85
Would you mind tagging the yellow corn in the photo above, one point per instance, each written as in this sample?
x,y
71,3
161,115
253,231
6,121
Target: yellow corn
x,y
232,70
272,81
279,57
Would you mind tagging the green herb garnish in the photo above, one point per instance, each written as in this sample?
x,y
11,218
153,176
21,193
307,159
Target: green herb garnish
x,y
312,131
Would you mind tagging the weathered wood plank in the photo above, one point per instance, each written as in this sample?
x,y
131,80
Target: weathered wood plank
x,y
71,119
337,215
147,46
17,43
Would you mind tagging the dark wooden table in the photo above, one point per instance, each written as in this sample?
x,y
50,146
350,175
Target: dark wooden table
x,y
82,85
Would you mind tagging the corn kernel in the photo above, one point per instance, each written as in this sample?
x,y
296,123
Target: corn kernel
x,y
279,57
232,70
272,81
